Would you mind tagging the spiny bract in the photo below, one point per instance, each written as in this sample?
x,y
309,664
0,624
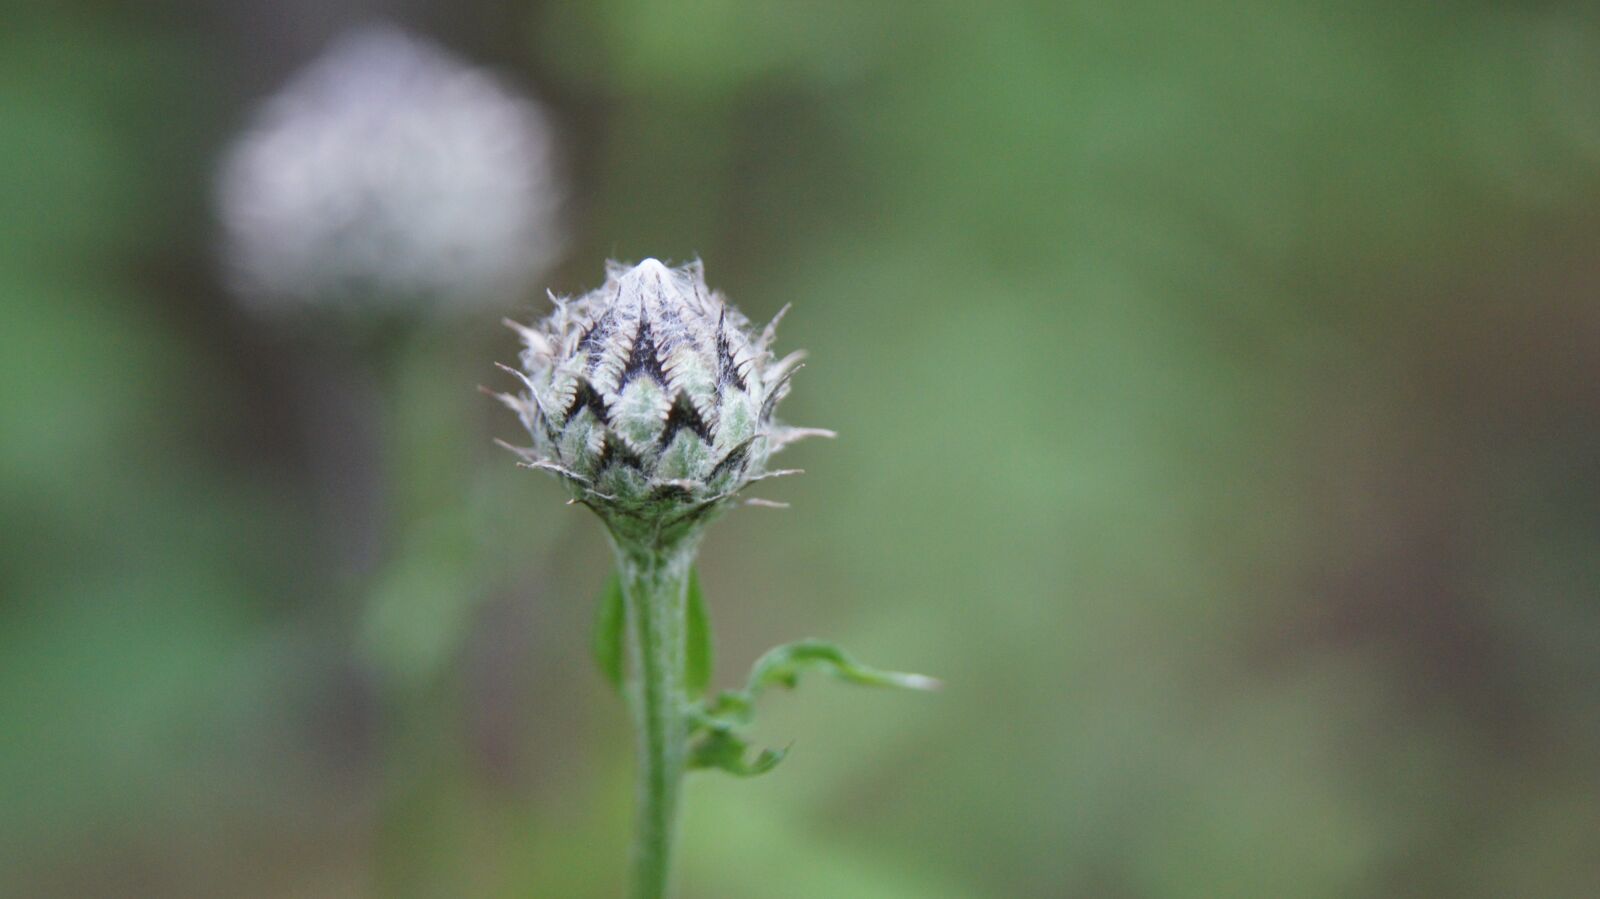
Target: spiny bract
x,y
652,398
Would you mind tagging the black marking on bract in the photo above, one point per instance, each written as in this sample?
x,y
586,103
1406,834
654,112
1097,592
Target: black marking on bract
x,y
593,342
735,458
672,324
697,512
777,391
669,370
583,397
727,370
682,415
550,428
670,491
614,452
771,402
642,360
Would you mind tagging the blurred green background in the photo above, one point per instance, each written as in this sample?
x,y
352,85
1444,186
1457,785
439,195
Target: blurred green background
x,y
1217,386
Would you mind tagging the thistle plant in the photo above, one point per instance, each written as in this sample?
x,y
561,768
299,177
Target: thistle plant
x,y
653,400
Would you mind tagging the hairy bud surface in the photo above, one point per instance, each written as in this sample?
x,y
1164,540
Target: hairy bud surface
x,y
653,399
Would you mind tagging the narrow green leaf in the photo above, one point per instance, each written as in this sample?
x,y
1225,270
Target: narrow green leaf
x,y
783,666
700,654
610,625
720,722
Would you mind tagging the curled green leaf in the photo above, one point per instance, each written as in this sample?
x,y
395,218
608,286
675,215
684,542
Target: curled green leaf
x,y
783,665
723,719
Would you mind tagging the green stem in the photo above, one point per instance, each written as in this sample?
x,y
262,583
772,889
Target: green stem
x,y
655,584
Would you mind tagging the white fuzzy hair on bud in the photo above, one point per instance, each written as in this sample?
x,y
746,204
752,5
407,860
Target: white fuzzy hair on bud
x,y
389,175
652,398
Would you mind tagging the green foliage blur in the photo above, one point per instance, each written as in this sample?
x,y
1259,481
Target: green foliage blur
x,y
1217,386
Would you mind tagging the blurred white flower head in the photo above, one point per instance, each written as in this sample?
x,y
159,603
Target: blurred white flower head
x,y
389,176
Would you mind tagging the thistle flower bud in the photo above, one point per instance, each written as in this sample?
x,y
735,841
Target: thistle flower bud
x,y
388,176
653,399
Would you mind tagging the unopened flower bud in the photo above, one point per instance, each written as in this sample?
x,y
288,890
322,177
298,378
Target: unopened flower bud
x,y
653,399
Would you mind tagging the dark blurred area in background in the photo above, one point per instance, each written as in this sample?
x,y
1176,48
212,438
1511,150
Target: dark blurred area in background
x,y
1217,387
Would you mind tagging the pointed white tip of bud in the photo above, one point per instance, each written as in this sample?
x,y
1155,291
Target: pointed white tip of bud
x,y
646,273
